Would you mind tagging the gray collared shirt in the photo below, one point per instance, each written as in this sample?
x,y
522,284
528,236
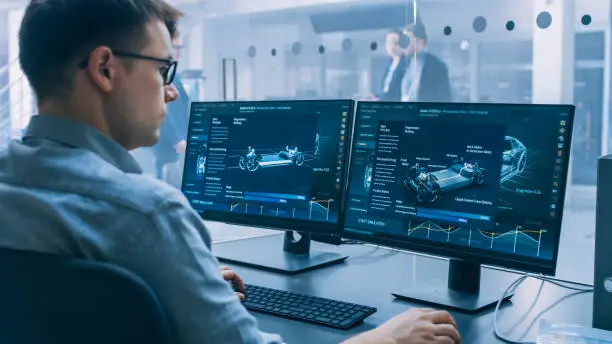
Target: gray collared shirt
x,y
67,189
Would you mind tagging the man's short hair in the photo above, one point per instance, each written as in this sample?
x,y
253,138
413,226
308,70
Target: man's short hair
x,y
396,31
56,35
403,39
418,30
172,25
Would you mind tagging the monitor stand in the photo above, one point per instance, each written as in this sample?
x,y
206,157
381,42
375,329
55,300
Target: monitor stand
x,y
263,253
462,293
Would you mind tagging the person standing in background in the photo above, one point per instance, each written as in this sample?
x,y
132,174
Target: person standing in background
x,y
426,77
169,151
392,82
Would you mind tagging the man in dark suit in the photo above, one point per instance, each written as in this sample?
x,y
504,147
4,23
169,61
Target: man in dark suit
x,y
426,78
173,132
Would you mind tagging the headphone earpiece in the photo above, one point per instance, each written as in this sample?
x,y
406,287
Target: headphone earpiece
x,y
404,41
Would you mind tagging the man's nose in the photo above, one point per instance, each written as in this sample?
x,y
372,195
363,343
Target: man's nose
x,y
170,93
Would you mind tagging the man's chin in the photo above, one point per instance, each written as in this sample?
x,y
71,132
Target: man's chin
x,y
151,141
154,139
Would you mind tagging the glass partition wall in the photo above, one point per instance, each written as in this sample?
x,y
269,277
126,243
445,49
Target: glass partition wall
x,y
503,51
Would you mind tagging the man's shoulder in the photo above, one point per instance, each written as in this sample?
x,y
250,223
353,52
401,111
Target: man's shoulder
x,y
137,191
147,194
140,193
433,60
84,173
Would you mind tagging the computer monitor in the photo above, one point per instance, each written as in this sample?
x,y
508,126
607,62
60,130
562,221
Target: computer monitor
x,y
270,164
477,183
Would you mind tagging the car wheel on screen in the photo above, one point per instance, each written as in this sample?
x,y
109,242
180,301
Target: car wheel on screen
x,y
252,166
521,163
480,179
435,193
299,159
367,178
421,195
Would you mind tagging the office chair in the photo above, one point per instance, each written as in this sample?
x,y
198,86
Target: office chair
x,y
49,299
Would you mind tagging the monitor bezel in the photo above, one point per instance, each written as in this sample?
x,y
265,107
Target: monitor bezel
x,y
469,254
287,224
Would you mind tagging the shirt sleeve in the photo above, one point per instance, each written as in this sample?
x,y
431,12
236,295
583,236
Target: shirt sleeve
x,y
172,254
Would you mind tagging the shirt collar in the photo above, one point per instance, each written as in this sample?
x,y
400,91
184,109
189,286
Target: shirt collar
x,y
79,135
419,56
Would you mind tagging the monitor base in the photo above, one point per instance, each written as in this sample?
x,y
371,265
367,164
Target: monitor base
x,y
438,294
461,292
265,253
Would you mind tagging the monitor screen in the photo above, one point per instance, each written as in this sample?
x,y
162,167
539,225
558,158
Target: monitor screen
x,y
277,164
480,182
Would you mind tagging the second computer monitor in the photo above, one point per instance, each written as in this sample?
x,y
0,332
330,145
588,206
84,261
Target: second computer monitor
x,y
479,183
274,164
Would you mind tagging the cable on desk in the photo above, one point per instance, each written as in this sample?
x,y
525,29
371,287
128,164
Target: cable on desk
x,y
583,288
368,255
531,307
351,242
539,315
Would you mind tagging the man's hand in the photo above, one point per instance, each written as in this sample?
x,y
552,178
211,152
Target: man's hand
x,y
417,326
181,147
237,283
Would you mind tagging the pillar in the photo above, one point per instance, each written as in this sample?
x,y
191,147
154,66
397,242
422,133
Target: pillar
x,y
553,53
607,116
20,94
474,50
195,58
553,60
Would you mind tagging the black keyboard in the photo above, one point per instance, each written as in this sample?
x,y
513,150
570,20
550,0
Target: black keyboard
x,y
316,310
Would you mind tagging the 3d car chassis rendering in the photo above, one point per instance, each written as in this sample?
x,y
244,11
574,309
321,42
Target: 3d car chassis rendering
x,y
253,161
428,186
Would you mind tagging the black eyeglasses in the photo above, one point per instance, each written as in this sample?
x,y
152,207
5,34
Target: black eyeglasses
x,y
168,71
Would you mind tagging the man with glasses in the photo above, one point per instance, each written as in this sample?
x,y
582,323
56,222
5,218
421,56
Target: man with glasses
x,y
102,71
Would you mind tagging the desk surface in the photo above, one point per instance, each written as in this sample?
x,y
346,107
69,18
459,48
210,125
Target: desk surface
x,y
371,274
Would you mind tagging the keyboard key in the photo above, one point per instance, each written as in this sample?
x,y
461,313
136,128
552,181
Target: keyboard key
x,y
254,304
357,315
345,323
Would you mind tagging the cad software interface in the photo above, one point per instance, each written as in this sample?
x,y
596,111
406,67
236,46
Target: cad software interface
x,y
272,159
484,179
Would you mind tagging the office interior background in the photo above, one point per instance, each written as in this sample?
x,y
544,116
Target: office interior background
x,y
501,51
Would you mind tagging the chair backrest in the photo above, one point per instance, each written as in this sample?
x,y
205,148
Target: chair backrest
x,y
50,299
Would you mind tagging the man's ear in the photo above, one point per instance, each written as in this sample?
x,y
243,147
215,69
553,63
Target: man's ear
x,y
102,68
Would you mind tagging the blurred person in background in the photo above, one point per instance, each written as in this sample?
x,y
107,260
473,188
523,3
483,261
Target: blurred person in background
x,y
426,76
170,150
396,49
